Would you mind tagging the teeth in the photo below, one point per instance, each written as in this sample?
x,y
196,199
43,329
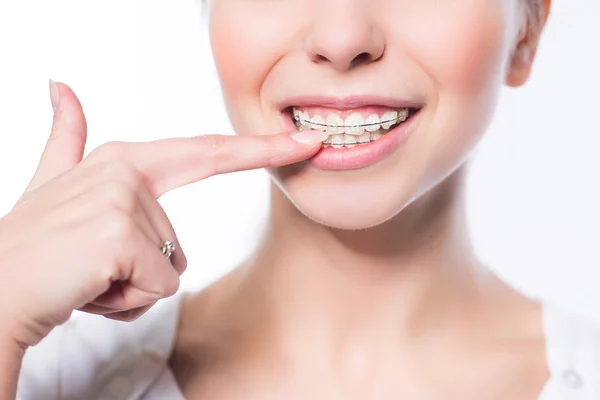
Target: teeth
x,y
349,140
376,135
364,138
304,120
341,140
352,131
337,122
345,140
373,123
403,115
337,141
317,123
389,116
352,123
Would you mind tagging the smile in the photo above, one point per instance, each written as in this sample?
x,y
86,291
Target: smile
x,y
350,128
363,130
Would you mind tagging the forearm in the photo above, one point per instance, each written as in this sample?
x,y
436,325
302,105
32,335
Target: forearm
x,y
11,357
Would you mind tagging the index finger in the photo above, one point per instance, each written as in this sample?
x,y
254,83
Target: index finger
x,y
168,164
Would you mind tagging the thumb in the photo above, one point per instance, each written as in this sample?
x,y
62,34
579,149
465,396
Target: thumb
x,y
66,143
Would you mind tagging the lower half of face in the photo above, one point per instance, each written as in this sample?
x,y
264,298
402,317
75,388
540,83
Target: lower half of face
x,y
405,88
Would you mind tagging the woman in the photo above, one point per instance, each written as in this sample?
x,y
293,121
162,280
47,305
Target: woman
x,y
365,284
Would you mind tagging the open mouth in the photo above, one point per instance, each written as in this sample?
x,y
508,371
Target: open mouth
x,y
350,128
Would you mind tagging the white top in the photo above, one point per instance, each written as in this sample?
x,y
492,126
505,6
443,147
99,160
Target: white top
x,y
92,357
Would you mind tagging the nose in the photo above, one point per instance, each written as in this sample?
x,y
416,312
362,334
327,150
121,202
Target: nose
x,y
343,36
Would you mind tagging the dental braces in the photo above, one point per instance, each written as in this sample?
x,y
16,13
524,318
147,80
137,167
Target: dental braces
x,y
393,121
344,144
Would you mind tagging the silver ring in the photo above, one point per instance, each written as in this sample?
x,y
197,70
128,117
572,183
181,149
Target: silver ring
x,y
167,248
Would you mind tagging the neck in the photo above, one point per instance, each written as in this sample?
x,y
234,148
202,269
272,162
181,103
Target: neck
x,y
414,272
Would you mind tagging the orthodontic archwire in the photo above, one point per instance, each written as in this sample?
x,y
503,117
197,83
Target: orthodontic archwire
x,y
350,126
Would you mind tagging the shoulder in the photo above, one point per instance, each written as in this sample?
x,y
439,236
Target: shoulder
x,y
573,351
90,356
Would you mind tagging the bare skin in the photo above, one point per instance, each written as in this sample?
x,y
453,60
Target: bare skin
x,y
365,284
287,325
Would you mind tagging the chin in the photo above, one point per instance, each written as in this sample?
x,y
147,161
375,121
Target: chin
x,y
352,200
347,218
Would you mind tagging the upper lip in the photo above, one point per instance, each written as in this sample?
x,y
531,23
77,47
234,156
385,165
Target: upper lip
x,y
348,102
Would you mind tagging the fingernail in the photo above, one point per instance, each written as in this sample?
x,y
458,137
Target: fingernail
x,y
309,136
54,96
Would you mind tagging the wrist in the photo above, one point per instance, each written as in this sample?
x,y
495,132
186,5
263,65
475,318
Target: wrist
x,y
11,361
10,340
10,343
11,348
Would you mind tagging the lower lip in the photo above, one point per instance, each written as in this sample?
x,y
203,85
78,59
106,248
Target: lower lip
x,y
363,155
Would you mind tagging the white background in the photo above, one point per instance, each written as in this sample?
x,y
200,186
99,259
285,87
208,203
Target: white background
x,y
143,70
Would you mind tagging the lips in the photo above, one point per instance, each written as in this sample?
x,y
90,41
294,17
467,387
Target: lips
x,y
347,103
345,156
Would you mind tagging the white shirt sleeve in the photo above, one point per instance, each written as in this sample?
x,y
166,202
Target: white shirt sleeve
x,y
40,372
92,357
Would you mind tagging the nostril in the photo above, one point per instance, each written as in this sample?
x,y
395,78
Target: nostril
x,y
318,58
345,61
362,58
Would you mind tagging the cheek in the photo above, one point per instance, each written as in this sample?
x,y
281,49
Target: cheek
x,y
461,48
461,45
469,71
244,49
238,57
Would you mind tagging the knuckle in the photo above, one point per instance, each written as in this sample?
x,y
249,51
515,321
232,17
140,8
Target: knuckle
x,y
120,196
216,156
108,151
116,224
214,152
212,142
218,160
124,172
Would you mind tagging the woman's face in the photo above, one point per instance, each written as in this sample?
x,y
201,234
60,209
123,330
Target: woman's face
x,y
348,65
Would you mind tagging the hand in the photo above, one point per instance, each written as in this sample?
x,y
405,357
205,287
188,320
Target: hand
x,y
86,234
